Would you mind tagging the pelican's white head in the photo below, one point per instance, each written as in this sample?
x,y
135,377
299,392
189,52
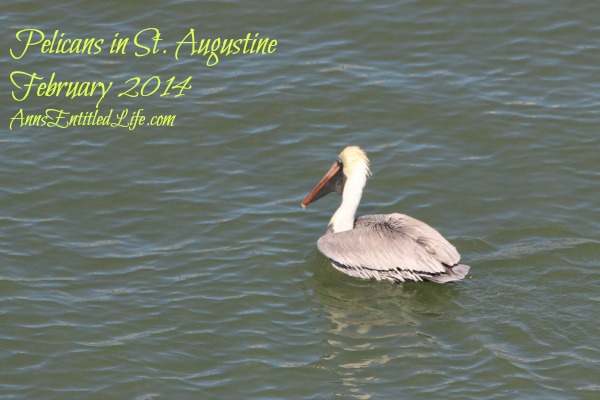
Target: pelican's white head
x,y
355,163
351,165
347,176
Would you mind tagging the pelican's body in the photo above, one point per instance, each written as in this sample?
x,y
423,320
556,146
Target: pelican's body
x,y
391,247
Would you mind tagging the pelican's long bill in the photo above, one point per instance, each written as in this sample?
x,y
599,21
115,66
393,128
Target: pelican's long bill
x,y
333,181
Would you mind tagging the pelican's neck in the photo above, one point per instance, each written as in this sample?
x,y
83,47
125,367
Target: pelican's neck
x,y
343,218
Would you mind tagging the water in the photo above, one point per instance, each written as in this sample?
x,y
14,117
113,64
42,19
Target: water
x,y
176,262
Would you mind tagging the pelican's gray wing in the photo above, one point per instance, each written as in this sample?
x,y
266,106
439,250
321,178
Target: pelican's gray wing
x,y
427,237
395,247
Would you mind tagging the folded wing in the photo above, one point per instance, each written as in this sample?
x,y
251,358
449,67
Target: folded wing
x,y
392,246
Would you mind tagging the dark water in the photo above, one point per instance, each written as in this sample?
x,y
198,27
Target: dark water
x,y
174,262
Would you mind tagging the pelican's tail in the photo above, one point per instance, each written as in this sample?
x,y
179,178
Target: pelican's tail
x,y
455,273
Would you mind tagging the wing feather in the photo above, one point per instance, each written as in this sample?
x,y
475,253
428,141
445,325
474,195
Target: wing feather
x,y
430,239
393,242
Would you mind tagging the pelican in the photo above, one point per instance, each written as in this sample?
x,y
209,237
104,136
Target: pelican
x,y
393,247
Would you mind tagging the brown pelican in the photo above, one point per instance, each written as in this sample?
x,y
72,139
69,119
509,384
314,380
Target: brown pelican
x,y
392,247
